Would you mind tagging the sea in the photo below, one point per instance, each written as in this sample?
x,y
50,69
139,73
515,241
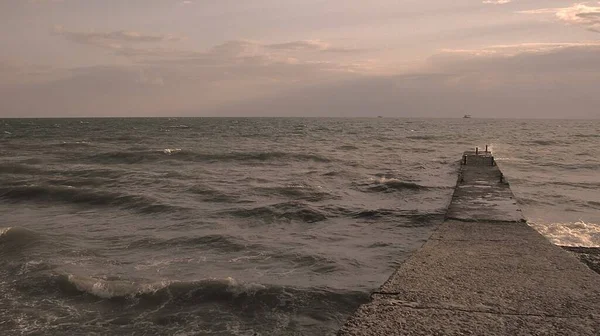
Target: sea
x,y
251,226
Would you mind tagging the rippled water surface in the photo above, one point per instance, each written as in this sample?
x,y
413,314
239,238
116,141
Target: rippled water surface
x,y
250,226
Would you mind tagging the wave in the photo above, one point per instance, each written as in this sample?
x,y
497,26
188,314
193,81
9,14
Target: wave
x,y
11,237
298,192
103,173
423,150
570,166
583,185
27,169
423,137
586,135
594,204
546,142
347,147
19,169
80,196
208,194
223,243
148,156
411,218
235,294
384,184
288,210
74,144
171,150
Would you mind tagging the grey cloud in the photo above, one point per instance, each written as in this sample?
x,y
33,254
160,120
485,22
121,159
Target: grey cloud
x,y
559,82
114,39
551,84
232,52
200,85
242,58
523,59
592,20
298,45
400,97
236,50
224,51
16,74
311,45
112,91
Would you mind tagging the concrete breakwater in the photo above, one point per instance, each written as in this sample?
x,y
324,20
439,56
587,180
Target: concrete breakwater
x,y
484,271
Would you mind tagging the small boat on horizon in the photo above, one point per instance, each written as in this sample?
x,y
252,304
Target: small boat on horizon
x,y
467,116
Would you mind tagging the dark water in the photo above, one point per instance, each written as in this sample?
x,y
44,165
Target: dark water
x,y
249,226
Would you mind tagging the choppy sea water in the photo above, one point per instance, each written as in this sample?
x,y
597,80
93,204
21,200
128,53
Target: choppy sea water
x,y
250,226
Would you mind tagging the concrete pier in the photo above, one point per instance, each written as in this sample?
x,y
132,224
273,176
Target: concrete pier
x,y
484,271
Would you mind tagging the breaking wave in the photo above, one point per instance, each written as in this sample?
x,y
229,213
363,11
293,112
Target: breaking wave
x,y
570,234
189,293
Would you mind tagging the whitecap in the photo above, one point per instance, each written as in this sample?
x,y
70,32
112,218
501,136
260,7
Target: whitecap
x,y
170,151
4,231
103,288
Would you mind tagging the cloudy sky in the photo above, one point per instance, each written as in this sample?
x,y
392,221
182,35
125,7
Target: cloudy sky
x,y
413,58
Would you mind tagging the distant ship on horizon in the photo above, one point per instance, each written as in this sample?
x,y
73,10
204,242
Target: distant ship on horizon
x,y
467,116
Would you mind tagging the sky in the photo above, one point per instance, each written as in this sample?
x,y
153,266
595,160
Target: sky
x,y
339,58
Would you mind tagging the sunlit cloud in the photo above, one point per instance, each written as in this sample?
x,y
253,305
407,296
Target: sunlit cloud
x,y
509,50
497,2
581,14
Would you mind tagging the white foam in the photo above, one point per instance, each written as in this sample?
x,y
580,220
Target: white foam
x,y
28,266
5,230
102,288
76,142
171,150
570,234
